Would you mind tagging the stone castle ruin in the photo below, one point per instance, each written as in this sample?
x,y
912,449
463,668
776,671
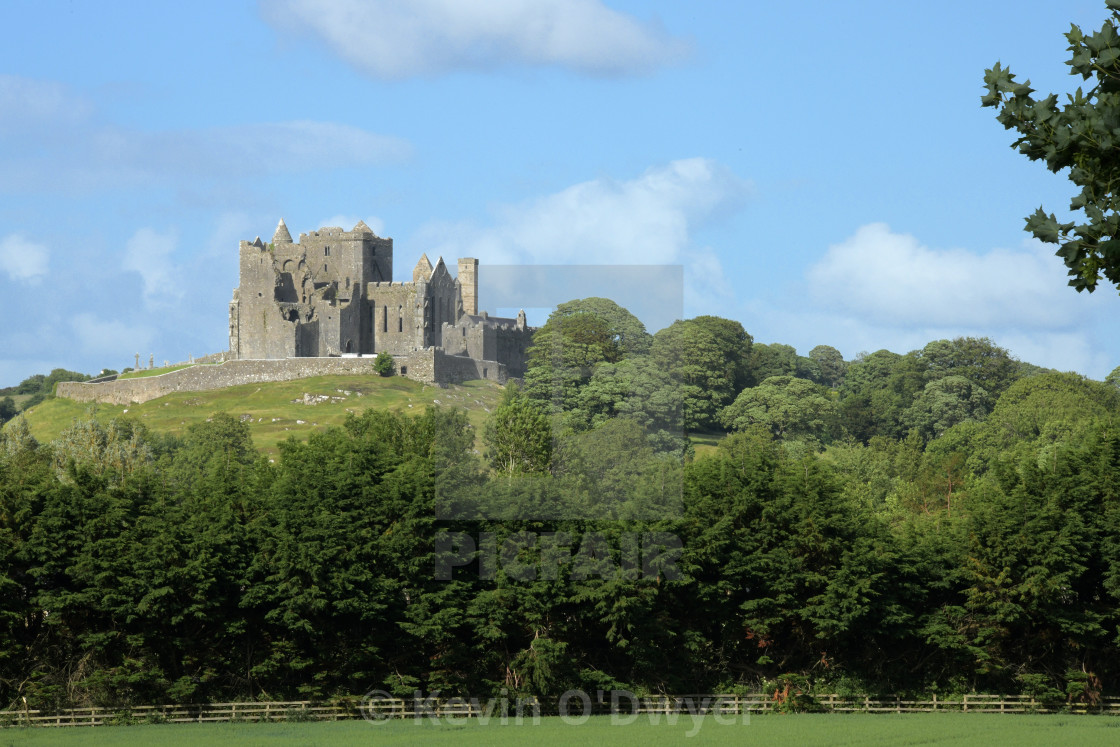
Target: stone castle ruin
x,y
325,306
332,294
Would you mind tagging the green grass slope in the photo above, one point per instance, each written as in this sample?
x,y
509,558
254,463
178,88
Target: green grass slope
x,y
991,730
278,410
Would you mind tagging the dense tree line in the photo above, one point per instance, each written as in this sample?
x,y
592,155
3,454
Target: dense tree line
x,y
945,520
39,387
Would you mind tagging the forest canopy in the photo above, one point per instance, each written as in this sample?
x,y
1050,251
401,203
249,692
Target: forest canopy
x,y
942,520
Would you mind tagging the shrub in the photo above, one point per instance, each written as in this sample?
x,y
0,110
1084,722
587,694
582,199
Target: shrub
x,y
383,364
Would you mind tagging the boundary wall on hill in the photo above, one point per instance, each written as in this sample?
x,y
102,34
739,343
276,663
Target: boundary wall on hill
x,y
431,366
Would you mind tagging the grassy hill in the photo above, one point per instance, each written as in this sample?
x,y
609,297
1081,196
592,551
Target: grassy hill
x,y
19,399
277,410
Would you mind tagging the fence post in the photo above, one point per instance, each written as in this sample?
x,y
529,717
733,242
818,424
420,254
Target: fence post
x,y
965,703
935,702
867,703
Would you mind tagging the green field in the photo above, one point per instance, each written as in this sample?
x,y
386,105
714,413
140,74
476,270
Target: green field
x,y
706,443
990,730
274,411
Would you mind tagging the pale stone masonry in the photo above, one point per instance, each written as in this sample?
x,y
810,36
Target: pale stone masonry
x,y
328,304
332,294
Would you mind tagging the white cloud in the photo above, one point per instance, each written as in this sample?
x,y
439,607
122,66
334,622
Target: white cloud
x,y
647,220
27,103
879,289
149,254
393,39
51,144
706,289
890,279
258,149
102,337
23,260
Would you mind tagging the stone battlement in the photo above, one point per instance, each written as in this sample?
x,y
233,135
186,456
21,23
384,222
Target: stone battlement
x,y
332,294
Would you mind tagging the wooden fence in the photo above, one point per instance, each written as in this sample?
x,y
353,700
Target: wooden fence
x,y
624,703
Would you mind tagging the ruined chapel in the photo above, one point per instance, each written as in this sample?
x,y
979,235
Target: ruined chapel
x,y
332,294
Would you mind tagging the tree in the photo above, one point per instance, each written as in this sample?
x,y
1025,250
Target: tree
x,y
877,390
789,573
1039,415
1079,136
979,360
627,330
637,389
8,409
518,436
790,407
114,451
31,385
736,344
383,363
831,363
564,354
945,402
776,359
1113,378
700,366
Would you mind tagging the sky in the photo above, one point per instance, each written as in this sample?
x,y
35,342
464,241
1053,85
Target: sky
x,y
822,172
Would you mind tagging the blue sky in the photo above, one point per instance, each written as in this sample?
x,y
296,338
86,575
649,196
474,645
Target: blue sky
x,y
823,171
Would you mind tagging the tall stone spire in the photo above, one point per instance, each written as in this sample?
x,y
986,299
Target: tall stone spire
x,y
423,270
281,236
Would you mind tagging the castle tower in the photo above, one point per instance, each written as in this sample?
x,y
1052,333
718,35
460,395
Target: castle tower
x,y
282,236
468,284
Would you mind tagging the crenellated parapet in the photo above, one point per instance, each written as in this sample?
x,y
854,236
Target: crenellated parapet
x,y
332,293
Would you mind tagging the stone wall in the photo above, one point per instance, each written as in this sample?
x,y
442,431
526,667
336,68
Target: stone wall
x,y
394,317
232,373
455,369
